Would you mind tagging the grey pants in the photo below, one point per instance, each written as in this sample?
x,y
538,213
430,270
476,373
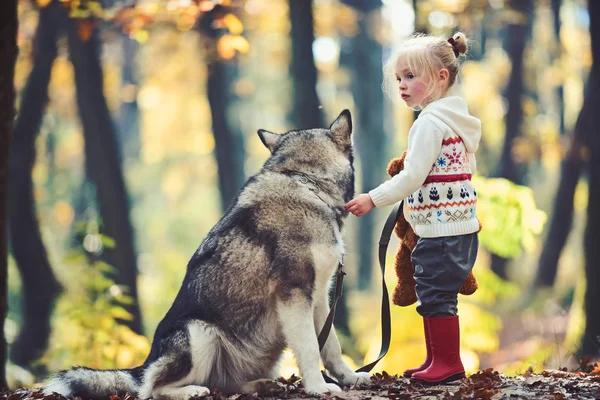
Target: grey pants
x,y
441,267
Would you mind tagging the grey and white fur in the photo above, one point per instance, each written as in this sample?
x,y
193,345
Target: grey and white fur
x,y
258,283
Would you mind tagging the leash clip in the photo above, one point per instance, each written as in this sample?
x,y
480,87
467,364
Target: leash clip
x,y
339,278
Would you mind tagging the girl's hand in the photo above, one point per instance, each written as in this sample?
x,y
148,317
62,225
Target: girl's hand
x,y
361,205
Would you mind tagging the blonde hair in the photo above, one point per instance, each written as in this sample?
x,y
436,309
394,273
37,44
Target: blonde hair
x,y
426,55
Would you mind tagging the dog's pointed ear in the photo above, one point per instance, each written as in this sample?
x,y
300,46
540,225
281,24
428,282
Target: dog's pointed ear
x,y
268,138
341,130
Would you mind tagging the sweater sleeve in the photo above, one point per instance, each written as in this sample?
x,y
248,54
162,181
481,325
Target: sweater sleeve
x,y
424,144
473,162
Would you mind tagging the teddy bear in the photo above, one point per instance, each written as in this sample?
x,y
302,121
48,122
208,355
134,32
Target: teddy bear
x,y
404,293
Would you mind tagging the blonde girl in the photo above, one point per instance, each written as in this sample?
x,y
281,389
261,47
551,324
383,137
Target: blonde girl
x,y
438,195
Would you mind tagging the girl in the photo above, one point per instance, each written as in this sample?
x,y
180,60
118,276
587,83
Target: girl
x,y
439,197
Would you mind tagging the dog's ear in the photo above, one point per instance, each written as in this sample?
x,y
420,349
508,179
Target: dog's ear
x,y
268,138
341,130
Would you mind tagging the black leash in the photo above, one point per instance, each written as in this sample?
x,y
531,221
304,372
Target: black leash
x,y
386,322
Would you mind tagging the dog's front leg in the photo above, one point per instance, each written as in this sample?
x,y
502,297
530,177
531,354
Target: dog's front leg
x,y
295,315
332,352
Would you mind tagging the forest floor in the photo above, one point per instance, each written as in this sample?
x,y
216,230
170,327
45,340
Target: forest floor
x,y
485,385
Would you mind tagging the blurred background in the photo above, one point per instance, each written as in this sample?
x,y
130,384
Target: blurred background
x,y
136,127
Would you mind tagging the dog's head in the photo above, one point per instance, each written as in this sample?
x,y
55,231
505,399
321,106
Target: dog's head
x,y
323,154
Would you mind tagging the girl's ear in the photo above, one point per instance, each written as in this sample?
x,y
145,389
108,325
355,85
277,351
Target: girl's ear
x,y
444,75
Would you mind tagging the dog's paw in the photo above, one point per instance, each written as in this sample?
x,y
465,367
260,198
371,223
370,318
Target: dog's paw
x,y
264,387
192,391
356,378
322,388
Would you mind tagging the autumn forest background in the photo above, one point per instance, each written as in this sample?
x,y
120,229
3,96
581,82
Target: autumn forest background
x,y
134,126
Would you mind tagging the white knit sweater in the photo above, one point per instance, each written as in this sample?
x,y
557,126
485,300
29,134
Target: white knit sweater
x,y
436,180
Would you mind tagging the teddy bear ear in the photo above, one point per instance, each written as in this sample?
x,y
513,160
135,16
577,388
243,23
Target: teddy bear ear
x,y
395,166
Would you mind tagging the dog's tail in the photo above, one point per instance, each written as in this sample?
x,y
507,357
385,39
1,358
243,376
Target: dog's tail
x,y
94,384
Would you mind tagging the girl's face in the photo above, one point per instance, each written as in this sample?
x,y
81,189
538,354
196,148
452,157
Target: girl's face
x,y
413,88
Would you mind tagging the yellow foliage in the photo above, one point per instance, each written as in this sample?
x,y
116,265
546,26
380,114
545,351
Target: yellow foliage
x,y
331,18
288,365
577,322
537,352
234,24
64,213
141,36
581,195
186,21
229,44
85,330
450,6
174,183
510,219
40,173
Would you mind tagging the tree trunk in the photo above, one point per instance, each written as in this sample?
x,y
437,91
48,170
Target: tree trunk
x,y
103,165
420,21
562,216
366,64
514,44
8,48
591,336
229,140
129,127
40,287
307,110
571,170
560,89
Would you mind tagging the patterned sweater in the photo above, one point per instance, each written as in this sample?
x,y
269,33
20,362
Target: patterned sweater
x,y
436,180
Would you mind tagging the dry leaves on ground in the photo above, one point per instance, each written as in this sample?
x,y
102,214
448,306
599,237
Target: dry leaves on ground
x,y
484,385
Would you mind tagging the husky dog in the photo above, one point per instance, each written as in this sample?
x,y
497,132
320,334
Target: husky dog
x,y
258,282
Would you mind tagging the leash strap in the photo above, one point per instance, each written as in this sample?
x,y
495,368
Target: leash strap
x,y
386,321
338,293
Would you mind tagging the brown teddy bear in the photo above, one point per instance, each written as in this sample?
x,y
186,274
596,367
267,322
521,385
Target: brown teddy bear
x,y
404,293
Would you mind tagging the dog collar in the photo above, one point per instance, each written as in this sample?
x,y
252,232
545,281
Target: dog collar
x,y
311,183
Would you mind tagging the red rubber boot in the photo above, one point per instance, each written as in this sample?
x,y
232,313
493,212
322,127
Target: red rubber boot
x,y
408,373
446,366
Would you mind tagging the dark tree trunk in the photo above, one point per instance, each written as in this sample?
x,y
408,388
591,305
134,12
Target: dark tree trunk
x,y
8,49
571,169
103,165
560,89
514,44
483,29
40,287
229,140
420,27
562,216
420,20
306,112
129,127
366,65
591,336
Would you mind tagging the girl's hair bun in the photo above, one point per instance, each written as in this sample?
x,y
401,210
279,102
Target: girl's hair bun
x,y
459,42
